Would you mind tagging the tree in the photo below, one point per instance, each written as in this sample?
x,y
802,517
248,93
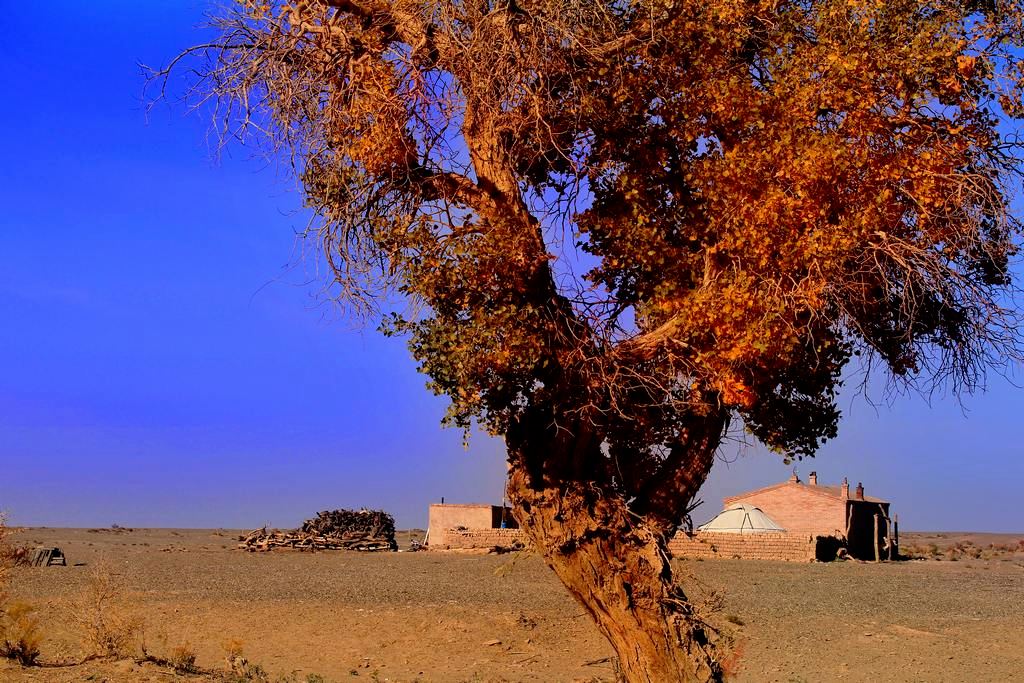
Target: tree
x,y
611,228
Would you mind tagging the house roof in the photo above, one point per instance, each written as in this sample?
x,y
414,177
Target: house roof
x,y
835,492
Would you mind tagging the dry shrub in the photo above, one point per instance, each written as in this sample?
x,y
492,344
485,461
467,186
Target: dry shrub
x,y
19,628
20,635
183,658
236,662
108,627
5,560
923,552
233,648
240,670
10,555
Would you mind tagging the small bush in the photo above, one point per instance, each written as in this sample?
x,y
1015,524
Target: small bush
x,y
183,658
238,666
108,629
232,647
6,559
20,635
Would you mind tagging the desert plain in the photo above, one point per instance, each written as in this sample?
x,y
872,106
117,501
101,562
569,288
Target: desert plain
x,y
443,616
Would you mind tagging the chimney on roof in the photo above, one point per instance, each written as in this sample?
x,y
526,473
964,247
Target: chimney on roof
x,y
845,488
813,479
794,479
860,491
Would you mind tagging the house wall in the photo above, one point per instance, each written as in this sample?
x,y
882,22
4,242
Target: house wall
x,y
471,516
797,509
442,518
785,546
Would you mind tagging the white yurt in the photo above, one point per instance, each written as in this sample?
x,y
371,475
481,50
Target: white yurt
x,y
741,519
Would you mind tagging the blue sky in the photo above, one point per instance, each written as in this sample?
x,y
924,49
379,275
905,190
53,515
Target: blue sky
x,y
165,361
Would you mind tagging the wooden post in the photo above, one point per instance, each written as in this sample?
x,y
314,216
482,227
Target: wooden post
x,y
896,534
888,539
878,552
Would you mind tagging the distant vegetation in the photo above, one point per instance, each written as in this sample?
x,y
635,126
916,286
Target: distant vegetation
x,y
954,550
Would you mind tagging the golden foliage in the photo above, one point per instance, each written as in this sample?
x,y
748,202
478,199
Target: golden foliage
x,y
641,216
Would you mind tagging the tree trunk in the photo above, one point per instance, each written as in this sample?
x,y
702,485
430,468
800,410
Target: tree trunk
x,y
617,568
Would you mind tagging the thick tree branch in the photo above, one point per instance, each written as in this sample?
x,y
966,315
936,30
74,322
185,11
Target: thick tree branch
x,y
454,187
663,498
647,345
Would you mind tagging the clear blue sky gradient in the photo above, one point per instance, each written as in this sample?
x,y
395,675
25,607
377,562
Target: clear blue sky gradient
x,y
164,361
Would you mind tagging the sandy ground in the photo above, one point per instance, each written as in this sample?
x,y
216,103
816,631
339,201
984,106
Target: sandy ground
x,y
455,617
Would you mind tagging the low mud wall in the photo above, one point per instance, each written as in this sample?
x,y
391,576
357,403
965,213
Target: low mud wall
x,y
786,546
459,539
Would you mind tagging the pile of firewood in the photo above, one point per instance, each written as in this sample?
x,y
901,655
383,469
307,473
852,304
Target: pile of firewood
x,y
329,530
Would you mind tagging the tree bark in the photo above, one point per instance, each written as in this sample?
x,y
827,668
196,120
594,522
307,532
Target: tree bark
x,y
617,568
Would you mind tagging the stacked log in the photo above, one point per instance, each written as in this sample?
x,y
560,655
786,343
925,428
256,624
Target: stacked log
x,y
375,523
367,530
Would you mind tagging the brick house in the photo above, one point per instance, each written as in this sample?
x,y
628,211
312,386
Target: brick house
x,y
821,510
474,525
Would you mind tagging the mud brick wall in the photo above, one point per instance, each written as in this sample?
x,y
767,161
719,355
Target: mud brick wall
x,y
785,546
790,547
475,538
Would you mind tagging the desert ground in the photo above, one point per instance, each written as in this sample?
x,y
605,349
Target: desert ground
x,y
432,616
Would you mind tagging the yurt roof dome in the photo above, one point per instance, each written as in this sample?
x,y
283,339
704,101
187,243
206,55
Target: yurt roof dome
x,y
742,519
